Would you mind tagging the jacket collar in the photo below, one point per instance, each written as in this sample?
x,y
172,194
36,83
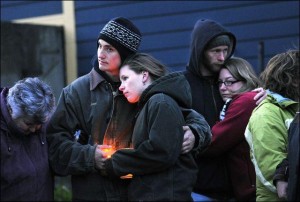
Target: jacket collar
x,y
95,79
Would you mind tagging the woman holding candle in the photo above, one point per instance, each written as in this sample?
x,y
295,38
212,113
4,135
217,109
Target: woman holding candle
x,y
160,172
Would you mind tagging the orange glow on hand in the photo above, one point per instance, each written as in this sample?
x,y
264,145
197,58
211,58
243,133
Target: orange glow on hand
x,y
107,150
128,176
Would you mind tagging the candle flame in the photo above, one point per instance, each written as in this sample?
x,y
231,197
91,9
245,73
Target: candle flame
x,y
107,150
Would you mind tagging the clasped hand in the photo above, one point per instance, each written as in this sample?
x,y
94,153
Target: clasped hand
x,y
104,152
188,140
101,155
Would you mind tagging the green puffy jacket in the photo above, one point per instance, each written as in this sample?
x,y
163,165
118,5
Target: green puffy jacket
x,y
267,136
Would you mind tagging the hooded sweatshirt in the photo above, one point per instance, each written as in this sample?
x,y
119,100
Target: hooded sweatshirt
x,y
160,171
205,91
212,176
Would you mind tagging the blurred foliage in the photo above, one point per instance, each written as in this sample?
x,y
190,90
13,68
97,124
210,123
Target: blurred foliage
x,y
62,193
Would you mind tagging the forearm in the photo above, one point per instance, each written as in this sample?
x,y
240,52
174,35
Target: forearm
x,y
281,172
67,157
200,129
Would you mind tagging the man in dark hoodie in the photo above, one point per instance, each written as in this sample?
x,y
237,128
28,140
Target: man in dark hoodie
x,y
211,46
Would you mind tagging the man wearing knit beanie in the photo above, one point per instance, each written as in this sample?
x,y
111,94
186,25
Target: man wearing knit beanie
x,y
222,40
122,35
93,109
122,38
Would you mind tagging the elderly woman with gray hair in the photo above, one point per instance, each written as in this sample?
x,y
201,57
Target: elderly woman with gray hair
x,y
25,173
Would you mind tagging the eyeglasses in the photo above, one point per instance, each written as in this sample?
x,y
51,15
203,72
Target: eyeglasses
x,y
227,83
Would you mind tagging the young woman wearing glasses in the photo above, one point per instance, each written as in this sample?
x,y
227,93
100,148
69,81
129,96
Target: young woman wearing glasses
x,y
236,81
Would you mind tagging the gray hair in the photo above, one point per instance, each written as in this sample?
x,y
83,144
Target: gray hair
x,y
31,98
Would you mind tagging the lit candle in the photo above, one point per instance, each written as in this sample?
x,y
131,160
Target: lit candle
x,y
107,150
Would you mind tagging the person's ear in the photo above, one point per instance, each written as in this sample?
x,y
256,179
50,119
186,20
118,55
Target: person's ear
x,y
145,76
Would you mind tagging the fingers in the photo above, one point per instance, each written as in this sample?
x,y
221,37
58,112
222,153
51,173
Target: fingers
x,y
260,96
259,101
100,156
260,93
185,128
260,89
186,146
188,140
184,149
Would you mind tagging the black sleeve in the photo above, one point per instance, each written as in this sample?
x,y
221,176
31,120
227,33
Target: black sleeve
x,y
199,127
281,172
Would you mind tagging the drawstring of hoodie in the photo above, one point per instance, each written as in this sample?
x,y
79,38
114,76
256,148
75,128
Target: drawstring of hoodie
x,y
40,134
8,142
41,139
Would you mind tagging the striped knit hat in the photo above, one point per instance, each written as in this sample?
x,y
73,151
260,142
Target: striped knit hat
x,y
123,35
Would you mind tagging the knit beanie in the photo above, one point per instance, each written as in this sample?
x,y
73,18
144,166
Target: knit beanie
x,y
123,35
222,40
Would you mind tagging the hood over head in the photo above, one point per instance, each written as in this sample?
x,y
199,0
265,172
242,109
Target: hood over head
x,y
208,34
174,85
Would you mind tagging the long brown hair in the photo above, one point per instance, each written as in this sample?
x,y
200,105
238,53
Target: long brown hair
x,y
281,74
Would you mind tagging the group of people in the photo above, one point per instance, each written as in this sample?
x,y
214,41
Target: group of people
x,y
207,133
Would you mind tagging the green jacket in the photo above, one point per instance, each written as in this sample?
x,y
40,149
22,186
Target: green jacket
x,y
267,136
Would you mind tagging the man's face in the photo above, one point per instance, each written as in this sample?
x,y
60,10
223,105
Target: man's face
x,y
109,58
214,59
